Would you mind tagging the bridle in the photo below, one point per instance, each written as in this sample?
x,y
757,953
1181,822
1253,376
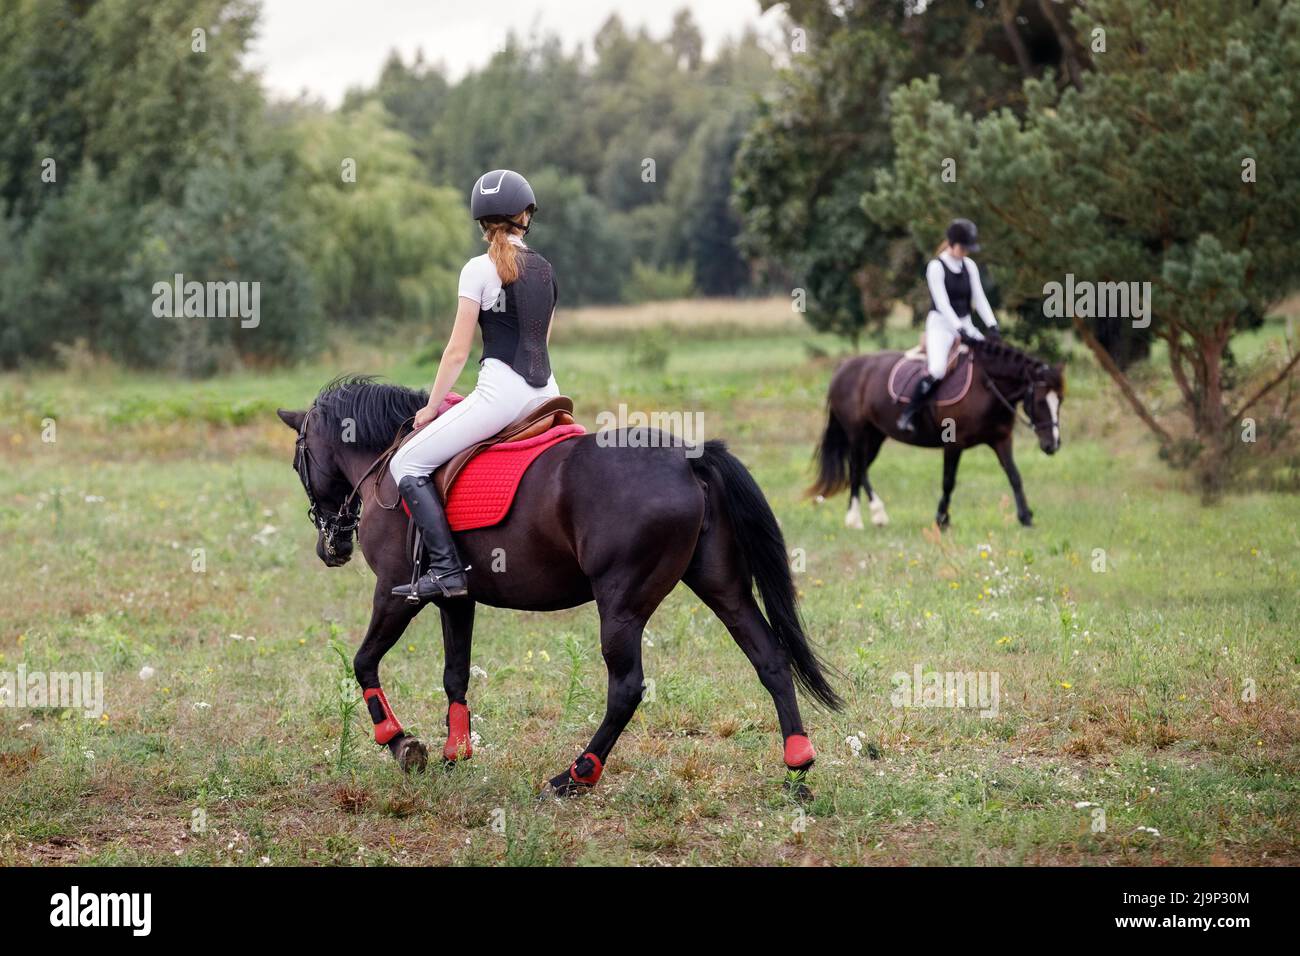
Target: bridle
x,y
1026,417
331,524
342,523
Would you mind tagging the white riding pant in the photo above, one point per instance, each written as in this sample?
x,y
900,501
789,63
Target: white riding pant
x,y
940,333
500,397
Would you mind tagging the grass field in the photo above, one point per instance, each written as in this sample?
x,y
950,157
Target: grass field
x,y
1163,691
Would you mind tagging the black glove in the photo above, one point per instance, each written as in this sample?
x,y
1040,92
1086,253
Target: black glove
x,y
992,333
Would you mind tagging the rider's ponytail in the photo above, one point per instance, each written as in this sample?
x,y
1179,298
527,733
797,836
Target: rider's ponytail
x,y
504,253
943,247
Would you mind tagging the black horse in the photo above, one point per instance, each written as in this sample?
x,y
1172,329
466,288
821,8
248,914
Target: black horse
x,y
610,521
861,414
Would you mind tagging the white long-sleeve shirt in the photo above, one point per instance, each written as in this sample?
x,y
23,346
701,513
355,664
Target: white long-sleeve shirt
x,y
943,308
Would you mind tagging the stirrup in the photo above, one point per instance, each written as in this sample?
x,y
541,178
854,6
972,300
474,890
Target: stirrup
x,y
438,591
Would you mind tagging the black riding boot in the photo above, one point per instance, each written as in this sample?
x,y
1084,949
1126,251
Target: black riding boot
x,y
446,575
920,398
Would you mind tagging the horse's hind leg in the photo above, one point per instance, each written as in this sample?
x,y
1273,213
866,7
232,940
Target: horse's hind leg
x,y
872,441
457,635
861,455
388,620
620,644
717,577
740,613
626,596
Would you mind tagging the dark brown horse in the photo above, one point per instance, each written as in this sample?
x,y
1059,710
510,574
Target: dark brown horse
x,y
862,414
593,520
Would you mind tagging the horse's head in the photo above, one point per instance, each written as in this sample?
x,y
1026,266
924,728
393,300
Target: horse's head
x,y
1043,404
330,504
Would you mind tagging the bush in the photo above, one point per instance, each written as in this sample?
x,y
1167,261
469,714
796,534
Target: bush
x,y
649,284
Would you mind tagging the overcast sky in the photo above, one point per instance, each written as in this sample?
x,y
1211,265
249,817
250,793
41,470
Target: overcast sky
x,y
327,46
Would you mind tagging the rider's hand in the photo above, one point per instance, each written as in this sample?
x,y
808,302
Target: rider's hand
x,y
424,416
992,333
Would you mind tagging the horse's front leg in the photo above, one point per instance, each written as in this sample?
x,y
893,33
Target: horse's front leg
x,y
457,637
1002,448
951,459
388,621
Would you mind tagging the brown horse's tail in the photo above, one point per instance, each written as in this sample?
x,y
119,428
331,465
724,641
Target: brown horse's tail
x,y
763,545
832,459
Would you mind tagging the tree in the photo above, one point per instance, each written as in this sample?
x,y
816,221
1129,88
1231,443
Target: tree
x,y
819,141
117,123
575,232
1175,162
382,242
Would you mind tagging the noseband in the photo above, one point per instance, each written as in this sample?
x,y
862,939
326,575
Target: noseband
x,y
331,524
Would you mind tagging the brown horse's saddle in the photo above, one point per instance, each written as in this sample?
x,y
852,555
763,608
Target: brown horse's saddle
x,y
952,387
552,412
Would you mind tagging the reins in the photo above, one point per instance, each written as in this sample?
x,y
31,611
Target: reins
x,y
384,458
344,522
1025,417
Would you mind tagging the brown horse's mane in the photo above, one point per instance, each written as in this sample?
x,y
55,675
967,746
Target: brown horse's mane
x,y
1006,364
376,412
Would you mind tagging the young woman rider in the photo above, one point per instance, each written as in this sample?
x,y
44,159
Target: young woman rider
x,y
510,292
954,282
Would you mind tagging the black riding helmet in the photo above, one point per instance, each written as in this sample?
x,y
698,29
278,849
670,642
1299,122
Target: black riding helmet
x,y
501,195
962,232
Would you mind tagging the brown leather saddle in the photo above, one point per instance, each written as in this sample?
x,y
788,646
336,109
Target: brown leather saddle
x,y
953,386
552,412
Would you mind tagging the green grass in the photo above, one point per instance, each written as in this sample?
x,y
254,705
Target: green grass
x,y
1121,689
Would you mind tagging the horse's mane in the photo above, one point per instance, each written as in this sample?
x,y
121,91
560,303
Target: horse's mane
x,y
1006,363
376,412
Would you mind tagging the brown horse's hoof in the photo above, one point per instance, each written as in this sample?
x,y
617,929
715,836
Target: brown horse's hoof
x,y
411,755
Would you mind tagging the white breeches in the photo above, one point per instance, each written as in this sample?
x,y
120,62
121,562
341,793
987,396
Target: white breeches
x,y
500,397
940,334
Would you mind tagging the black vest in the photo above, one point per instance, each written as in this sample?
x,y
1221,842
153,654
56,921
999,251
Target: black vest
x,y
514,329
957,285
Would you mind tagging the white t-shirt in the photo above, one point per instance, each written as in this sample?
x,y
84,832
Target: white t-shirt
x,y
939,292
479,280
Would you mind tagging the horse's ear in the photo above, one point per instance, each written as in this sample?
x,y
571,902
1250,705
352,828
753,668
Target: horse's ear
x,y
292,419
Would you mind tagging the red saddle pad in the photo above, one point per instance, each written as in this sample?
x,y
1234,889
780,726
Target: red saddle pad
x,y
485,489
952,387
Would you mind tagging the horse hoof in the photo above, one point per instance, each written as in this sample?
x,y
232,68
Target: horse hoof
x,y
411,755
942,522
564,787
1027,520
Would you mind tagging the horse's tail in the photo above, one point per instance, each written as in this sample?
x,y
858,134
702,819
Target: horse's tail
x,y
763,546
832,458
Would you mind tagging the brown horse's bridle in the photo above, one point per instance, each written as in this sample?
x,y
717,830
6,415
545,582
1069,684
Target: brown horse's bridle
x,y
343,522
1026,417
330,524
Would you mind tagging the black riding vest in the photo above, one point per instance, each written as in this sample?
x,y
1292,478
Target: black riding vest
x,y
957,285
514,330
